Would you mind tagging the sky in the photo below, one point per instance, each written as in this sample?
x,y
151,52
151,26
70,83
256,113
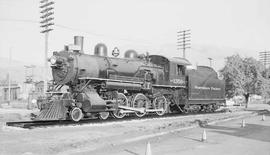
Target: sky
x,y
219,28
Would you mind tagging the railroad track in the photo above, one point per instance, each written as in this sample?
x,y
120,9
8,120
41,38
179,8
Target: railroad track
x,y
47,123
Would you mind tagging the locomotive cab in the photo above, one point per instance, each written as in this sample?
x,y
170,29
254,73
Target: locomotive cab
x,y
174,69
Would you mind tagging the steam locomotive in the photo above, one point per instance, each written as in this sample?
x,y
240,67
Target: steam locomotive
x,y
100,86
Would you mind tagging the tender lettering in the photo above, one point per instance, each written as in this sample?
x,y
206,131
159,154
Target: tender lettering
x,y
206,88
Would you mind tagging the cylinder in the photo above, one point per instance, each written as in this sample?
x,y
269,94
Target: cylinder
x,y
78,40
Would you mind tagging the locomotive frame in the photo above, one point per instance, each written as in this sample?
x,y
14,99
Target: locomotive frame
x,y
101,85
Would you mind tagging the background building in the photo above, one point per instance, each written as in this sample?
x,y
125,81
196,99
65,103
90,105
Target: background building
x,y
15,89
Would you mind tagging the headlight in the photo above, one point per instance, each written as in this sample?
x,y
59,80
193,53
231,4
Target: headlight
x,y
53,60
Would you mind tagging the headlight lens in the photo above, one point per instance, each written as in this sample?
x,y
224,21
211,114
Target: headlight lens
x,y
53,60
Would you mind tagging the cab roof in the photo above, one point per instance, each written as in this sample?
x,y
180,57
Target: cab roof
x,y
177,60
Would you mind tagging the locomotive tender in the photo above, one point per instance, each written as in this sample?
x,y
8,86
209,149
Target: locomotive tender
x,y
99,85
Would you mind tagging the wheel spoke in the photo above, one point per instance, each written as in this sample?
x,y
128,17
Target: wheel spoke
x,y
76,114
122,100
160,103
140,101
103,115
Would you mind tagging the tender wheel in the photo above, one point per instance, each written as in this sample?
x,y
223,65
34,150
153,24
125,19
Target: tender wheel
x,y
76,114
123,101
140,101
103,115
160,103
215,107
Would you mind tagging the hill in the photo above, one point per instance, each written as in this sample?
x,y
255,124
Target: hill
x,y
18,70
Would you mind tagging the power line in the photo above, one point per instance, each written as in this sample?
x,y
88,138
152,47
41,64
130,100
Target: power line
x,y
104,35
137,41
78,30
19,20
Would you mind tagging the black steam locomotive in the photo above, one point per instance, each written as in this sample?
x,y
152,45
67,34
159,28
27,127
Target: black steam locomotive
x,y
99,85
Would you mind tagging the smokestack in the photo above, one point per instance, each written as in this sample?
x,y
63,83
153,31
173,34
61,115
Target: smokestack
x,y
78,40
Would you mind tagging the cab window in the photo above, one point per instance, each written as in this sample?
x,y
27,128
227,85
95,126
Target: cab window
x,y
180,70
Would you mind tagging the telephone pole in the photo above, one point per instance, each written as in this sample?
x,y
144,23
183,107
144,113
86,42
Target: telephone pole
x,y
183,41
9,76
46,23
29,73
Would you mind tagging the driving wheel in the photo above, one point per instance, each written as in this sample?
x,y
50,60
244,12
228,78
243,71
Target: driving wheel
x,y
140,102
122,101
160,103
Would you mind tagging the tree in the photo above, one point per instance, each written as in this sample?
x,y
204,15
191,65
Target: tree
x,y
244,76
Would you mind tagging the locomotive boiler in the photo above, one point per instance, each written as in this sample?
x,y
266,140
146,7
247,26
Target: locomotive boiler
x,y
99,85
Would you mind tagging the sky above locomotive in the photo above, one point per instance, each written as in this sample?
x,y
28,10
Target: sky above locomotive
x,y
219,28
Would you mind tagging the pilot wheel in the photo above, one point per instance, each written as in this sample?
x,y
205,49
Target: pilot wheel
x,y
76,114
103,115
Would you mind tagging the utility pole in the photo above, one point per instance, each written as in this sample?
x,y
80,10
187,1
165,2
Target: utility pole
x,y
29,79
29,76
183,41
210,61
9,79
46,23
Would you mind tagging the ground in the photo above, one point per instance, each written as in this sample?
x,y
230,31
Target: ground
x,y
169,135
222,138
